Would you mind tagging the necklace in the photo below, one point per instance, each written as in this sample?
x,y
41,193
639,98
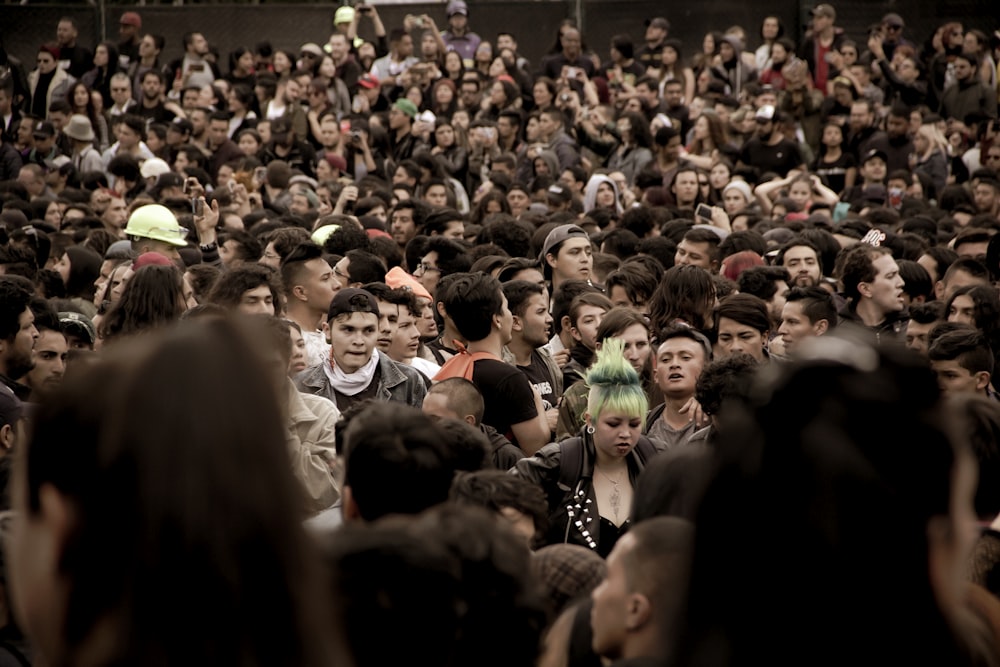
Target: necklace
x,y
616,495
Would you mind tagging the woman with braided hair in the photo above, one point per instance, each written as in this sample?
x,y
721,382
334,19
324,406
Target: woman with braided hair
x,y
600,465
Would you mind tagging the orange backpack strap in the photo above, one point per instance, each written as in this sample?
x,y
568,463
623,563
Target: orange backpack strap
x,y
462,364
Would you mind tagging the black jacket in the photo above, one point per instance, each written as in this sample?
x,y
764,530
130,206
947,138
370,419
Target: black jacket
x,y
566,485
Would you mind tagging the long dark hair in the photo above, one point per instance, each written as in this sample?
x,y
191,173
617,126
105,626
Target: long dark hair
x,y
141,445
848,504
153,298
685,294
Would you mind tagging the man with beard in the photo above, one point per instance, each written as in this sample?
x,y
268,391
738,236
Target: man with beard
x,y
194,68
769,150
153,106
286,146
903,82
895,143
862,129
73,58
17,337
50,353
968,97
802,261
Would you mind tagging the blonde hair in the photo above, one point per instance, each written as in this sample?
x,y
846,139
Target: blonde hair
x,y
614,384
935,137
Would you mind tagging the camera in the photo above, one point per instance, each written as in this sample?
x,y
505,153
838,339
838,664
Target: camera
x,y
564,97
355,137
198,207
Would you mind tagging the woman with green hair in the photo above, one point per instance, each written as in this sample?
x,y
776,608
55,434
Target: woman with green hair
x,y
589,479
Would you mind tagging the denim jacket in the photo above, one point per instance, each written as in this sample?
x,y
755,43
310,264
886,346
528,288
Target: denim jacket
x,y
397,382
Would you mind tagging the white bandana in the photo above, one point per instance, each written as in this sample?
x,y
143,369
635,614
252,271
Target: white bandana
x,y
350,384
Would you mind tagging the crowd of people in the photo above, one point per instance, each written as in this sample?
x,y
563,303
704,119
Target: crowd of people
x,y
375,348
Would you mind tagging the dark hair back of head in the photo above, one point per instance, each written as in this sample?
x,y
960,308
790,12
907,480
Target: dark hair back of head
x,y
396,461
471,302
140,542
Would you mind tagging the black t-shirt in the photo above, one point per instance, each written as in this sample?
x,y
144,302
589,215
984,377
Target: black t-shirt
x,y
780,158
538,375
506,393
834,174
158,114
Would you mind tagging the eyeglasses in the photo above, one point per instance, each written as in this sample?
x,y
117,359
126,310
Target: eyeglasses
x,y
337,272
119,90
424,267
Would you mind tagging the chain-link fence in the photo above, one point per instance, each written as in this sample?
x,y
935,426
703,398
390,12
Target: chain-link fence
x,y
288,25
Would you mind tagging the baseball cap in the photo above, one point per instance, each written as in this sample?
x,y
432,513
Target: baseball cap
x,y
825,10
343,15
78,325
558,193
154,166
353,300
119,250
875,153
766,112
335,161
457,7
558,235
368,81
280,126
742,186
657,22
131,18
894,20
44,128
311,48
406,106
168,180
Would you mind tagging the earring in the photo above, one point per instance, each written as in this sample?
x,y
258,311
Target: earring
x,y
590,430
